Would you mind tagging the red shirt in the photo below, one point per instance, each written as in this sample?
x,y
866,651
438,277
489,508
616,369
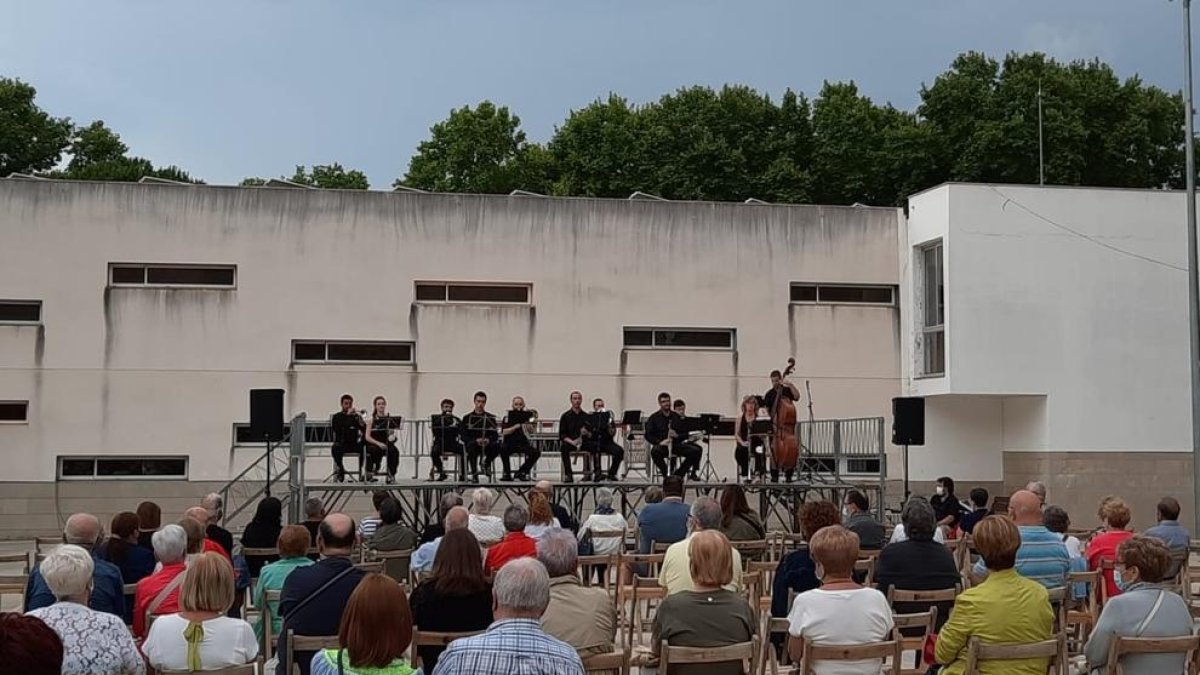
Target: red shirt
x,y
212,546
148,589
514,545
1104,547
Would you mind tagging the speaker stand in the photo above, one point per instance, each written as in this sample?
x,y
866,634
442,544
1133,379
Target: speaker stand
x,y
906,492
271,449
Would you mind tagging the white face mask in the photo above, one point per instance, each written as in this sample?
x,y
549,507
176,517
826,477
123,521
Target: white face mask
x,y
940,491
845,511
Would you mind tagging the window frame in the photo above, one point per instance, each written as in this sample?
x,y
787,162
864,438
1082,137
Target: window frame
x,y
16,401
446,285
412,353
96,459
655,330
932,333
23,322
146,267
817,286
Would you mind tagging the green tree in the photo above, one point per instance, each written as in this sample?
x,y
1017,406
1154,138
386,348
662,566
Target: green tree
x,y
331,177
599,151
30,139
98,153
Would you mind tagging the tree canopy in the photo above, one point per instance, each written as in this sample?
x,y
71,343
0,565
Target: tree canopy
x,y
327,176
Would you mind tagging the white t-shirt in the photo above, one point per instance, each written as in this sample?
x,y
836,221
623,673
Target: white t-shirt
x,y
1074,548
898,535
842,618
227,642
536,531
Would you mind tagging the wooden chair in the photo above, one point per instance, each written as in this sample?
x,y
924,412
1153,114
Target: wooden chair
x,y
259,552
926,622
1107,569
14,584
766,572
865,566
769,659
753,549
1176,573
305,643
742,651
752,586
895,595
587,563
1081,619
1120,646
788,542
370,567
872,650
395,563
1055,649
43,545
23,557
247,669
644,590
435,639
268,631
1058,602
603,663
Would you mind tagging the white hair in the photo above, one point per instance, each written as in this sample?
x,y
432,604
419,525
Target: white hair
x,y
604,497
170,544
482,500
68,571
213,502
559,552
707,512
522,585
82,529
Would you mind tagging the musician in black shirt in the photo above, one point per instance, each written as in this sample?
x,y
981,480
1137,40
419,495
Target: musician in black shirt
x,y
347,426
478,431
663,439
445,439
381,440
572,429
779,387
601,442
512,441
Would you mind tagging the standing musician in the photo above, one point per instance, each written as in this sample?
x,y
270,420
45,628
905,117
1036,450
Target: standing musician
x,y
748,445
445,438
780,387
479,432
601,442
514,440
661,435
347,428
381,440
572,428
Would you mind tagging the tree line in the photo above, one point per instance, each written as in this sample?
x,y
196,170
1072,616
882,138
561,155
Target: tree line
x,y
977,122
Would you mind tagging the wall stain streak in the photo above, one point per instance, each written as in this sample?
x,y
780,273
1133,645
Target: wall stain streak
x,y
791,327
622,381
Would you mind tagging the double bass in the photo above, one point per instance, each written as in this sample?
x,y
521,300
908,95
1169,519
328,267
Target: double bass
x,y
785,447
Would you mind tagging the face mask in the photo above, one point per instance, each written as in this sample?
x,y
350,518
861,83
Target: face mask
x,y
1119,580
820,571
940,491
845,511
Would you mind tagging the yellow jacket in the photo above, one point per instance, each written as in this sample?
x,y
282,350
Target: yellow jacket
x,y
1005,608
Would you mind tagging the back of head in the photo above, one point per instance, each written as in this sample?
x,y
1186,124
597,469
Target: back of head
x,y
707,513
836,549
457,519
1025,507
604,497
27,641
458,564
710,559
149,516
859,500
1055,519
377,623
919,520
539,509
214,504
1168,508
390,511
67,570
515,518
482,500
208,586
1038,488
195,534
336,535
293,541
198,514
269,511
673,486
378,498
314,508
522,588
1149,555
448,501
817,515
82,529
124,524
733,503
997,540
559,552
170,544
979,497
1117,514
654,494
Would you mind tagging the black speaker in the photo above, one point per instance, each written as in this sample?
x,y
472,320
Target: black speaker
x,y
266,414
908,421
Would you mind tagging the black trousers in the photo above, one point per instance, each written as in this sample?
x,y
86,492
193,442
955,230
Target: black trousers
x,y
375,457
436,452
605,446
505,450
339,451
690,452
742,455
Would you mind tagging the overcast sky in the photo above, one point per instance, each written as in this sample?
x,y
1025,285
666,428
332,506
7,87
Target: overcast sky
x,y
232,89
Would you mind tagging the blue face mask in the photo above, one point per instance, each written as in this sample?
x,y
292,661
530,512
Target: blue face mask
x,y
1119,580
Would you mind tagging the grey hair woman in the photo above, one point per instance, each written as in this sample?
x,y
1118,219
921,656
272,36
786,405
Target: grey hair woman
x,y
607,522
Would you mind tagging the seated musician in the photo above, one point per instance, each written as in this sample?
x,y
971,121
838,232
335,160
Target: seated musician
x,y
479,431
381,441
663,439
601,442
688,444
445,438
348,427
572,428
513,440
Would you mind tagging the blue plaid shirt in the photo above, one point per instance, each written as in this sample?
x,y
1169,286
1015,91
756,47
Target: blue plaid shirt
x,y
510,647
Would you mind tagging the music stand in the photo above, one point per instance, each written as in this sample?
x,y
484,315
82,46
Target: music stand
x,y
514,417
445,428
765,429
708,423
479,426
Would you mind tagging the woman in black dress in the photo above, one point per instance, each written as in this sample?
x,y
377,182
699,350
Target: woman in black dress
x,y
747,445
381,440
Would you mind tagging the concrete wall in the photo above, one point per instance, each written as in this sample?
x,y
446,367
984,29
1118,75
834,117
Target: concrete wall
x,y
137,371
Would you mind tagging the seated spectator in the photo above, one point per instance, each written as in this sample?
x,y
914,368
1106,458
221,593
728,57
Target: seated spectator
x,y
1042,556
1005,608
1145,609
918,564
303,609
604,520
516,544
979,510
366,528
797,571
564,518
455,598
122,550
488,529
94,643
108,592
582,617
899,534
208,544
293,554
263,532
946,505
27,640
391,535
860,521
159,592
653,495
665,522
434,530
375,632
706,614
214,506
422,559
841,611
1116,516
515,642
1056,519
738,521
675,575
200,636
149,520
541,517
314,513
1038,488
1168,529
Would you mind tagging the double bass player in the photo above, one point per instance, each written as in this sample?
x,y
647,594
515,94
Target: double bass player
x,y
780,402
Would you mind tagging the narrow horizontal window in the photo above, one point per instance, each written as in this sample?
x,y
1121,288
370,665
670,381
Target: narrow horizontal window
x,y
862,465
844,294
117,468
212,276
680,338
317,351
14,411
437,291
804,293
20,311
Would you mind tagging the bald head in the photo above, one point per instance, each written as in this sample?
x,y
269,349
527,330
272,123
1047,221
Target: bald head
x,y
82,529
545,487
198,514
1025,508
457,518
336,535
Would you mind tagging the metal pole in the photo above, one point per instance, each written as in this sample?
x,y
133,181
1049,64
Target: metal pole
x,y
1041,146
1193,284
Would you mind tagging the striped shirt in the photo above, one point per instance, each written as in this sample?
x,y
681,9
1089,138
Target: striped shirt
x,y
1042,557
510,647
